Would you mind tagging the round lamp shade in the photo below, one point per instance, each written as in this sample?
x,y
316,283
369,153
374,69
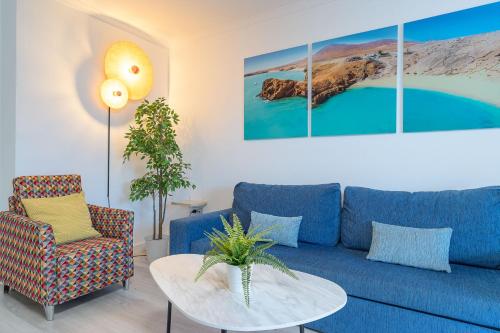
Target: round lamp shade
x,y
114,93
128,63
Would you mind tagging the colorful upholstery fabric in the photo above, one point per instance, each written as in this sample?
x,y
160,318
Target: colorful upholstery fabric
x,y
89,265
16,206
27,257
46,186
116,223
32,264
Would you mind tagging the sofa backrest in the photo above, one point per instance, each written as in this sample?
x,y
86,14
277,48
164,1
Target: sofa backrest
x,y
474,216
29,187
319,206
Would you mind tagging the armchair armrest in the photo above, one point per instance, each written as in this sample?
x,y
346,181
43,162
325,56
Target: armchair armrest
x,y
28,257
112,222
116,223
185,230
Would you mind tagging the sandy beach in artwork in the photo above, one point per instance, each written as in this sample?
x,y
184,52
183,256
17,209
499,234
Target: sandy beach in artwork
x,y
477,86
463,66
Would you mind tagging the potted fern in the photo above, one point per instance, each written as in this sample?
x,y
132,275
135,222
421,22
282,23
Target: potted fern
x,y
152,138
240,250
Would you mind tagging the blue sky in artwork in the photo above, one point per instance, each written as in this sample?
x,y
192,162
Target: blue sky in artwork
x,y
457,24
363,37
274,59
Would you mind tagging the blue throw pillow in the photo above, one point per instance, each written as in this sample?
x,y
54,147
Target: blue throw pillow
x,y
284,230
416,247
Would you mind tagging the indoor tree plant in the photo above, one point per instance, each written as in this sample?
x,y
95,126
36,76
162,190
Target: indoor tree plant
x,y
152,138
240,250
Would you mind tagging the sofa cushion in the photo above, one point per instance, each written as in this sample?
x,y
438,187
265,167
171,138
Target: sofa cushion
x,y
68,214
474,216
88,265
468,293
319,206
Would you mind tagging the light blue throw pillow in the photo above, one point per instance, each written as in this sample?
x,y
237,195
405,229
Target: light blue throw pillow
x,y
285,230
416,247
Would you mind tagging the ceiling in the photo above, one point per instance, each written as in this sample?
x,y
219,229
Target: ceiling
x,y
169,21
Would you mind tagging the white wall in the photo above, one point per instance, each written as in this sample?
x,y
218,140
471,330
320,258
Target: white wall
x,y
7,97
61,123
207,89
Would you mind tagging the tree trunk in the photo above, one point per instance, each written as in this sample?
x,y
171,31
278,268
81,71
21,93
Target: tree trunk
x,y
160,215
154,215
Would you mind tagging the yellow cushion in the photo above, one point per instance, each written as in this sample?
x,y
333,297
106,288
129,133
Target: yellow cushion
x,y
68,215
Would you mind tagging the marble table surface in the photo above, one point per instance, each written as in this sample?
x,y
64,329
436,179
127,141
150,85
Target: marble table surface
x,y
277,301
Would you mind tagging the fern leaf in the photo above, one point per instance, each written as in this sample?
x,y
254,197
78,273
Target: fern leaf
x,y
261,248
209,262
270,260
227,226
246,277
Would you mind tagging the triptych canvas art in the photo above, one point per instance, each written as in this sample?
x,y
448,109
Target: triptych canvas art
x,y
451,80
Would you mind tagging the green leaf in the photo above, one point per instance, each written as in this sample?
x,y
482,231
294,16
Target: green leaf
x,y
236,247
209,262
246,276
270,260
152,138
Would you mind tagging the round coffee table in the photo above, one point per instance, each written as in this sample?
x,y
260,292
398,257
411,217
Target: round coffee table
x,y
276,300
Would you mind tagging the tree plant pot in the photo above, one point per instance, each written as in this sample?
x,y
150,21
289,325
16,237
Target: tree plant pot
x,y
156,248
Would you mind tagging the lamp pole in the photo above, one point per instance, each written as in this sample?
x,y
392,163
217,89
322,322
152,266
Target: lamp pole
x,y
109,150
115,95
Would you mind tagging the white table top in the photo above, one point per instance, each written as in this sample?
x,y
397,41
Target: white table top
x,y
276,300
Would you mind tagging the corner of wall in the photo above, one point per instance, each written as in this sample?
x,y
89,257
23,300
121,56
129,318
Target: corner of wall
x,y
8,20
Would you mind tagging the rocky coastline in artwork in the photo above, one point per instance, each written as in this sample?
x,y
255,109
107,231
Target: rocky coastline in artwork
x,y
456,66
335,69
464,55
273,89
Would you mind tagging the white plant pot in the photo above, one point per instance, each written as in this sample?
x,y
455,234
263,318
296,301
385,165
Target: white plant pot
x,y
156,248
234,279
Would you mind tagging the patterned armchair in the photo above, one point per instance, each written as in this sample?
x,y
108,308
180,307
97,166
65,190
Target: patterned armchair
x,y
31,262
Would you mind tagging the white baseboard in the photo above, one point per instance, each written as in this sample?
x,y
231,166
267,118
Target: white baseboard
x,y
140,249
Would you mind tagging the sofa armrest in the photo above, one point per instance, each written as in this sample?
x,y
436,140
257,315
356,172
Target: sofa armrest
x,y
116,223
112,222
28,257
185,230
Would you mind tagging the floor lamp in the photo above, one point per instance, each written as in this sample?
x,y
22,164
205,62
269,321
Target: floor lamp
x,y
130,76
115,95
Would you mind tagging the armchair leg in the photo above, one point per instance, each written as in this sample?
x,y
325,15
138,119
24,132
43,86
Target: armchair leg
x,y
6,289
126,284
49,312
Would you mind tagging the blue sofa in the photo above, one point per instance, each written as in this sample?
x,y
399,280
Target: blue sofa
x,y
334,239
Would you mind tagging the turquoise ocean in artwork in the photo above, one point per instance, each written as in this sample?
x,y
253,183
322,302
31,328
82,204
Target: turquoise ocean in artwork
x,y
283,118
369,110
428,110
